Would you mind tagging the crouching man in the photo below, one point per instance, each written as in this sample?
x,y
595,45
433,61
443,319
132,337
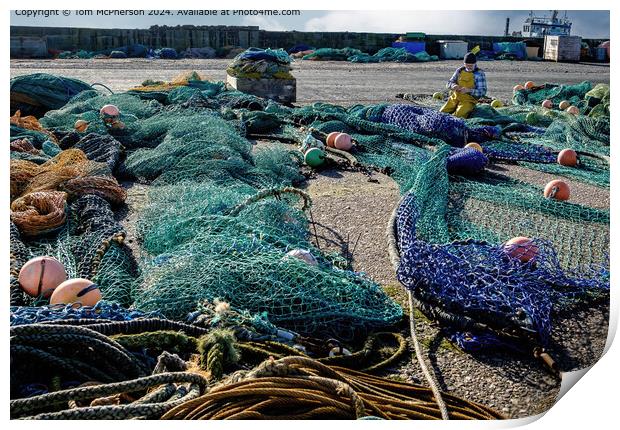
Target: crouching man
x,y
468,84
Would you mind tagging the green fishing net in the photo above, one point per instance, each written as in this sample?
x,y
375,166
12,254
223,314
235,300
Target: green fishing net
x,y
218,218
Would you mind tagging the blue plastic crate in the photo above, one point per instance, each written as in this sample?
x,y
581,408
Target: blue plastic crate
x,y
411,47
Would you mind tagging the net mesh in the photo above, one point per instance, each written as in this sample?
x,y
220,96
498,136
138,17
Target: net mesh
x,y
220,217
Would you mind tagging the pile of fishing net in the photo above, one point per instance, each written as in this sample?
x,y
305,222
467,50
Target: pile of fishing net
x,y
450,232
181,88
255,63
591,100
81,54
69,171
208,226
200,212
163,53
332,54
510,50
456,224
38,93
90,244
399,55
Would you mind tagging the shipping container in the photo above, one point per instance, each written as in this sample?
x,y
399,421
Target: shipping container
x,y
562,48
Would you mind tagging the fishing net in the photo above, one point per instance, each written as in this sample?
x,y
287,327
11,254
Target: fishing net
x,y
332,54
574,94
89,245
38,93
219,217
103,310
451,228
40,212
180,89
255,63
201,247
399,55
69,171
452,258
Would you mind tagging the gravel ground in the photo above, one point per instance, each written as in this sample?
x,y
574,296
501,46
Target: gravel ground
x,y
337,82
351,212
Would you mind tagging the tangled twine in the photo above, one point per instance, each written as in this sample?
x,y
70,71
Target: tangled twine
x,y
39,212
22,172
30,123
69,171
104,187
303,388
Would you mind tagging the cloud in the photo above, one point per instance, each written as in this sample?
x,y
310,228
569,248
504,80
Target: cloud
x,y
431,22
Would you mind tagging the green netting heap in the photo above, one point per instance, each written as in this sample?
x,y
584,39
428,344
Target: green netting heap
x,y
38,93
202,251
332,54
200,237
492,207
574,94
398,55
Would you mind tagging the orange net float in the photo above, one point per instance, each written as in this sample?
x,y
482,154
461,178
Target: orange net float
x,y
547,104
567,157
331,137
529,84
41,275
81,125
521,247
475,146
76,290
564,104
574,110
557,189
517,88
343,142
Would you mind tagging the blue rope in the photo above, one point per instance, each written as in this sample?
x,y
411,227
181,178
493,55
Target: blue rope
x,y
102,310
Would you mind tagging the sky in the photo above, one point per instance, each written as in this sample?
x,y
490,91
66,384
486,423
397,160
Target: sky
x,y
587,24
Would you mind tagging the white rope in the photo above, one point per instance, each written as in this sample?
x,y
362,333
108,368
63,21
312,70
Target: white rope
x,y
395,258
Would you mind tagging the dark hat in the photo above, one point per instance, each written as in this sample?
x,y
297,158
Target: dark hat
x,y
469,58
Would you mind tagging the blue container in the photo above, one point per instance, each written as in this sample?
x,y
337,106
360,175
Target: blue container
x,y
411,47
601,54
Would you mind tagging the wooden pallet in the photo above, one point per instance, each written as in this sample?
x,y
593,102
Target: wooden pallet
x,y
280,90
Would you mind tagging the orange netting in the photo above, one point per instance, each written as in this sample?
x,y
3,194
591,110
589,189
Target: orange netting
x,y
104,187
31,123
22,172
71,165
181,80
39,213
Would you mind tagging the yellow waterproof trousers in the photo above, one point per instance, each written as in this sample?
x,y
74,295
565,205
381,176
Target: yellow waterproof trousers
x,y
461,104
